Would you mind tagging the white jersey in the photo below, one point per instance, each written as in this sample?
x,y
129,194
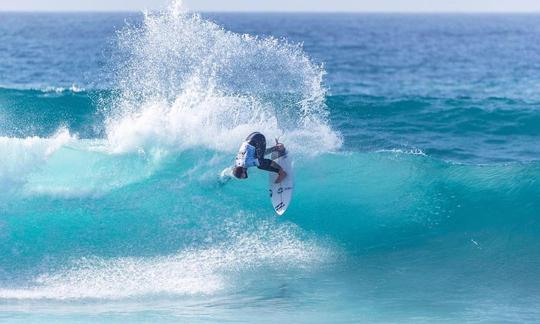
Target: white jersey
x,y
246,156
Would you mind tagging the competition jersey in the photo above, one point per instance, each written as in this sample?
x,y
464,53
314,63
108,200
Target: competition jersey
x,y
246,156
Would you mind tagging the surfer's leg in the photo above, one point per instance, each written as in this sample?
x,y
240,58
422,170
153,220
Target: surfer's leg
x,y
272,166
269,165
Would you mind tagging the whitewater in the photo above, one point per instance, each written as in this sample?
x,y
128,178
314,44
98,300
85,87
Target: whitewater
x,y
416,165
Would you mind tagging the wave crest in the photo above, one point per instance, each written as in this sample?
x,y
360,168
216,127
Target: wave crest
x,y
188,82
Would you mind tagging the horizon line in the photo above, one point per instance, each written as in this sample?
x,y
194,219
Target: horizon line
x,y
276,11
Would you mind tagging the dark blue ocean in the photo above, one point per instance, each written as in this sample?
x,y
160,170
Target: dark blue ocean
x,y
416,146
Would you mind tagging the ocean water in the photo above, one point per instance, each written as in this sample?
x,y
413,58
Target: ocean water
x,y
416,142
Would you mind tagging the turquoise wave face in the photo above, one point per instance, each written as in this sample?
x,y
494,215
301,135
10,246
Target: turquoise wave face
x,y
81,201
390,228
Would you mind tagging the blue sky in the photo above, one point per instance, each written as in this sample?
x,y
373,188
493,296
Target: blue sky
x,y
281,5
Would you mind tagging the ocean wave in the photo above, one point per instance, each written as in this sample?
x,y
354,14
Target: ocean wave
x,y
96,206
414,151
395,195
73,88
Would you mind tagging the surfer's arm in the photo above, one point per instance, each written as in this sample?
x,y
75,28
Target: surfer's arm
x,y
269,150
278,147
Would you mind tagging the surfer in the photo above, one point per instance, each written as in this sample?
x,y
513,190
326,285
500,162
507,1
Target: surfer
x,y
252,152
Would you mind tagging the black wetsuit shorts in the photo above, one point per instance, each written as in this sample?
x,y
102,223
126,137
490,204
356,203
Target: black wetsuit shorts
x,y
258,141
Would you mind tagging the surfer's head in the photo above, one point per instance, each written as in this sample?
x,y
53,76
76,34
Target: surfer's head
x,y
240,172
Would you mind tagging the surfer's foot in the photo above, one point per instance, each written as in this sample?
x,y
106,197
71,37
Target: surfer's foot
x,y
281,175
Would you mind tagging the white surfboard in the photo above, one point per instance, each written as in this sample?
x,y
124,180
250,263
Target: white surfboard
x,y
281,193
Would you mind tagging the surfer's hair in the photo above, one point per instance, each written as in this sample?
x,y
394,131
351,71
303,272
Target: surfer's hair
x,y
239,171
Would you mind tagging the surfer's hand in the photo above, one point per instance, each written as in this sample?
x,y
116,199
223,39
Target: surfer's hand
x,y
280,147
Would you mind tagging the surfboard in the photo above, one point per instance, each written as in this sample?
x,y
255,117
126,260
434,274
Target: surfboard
x,y
281,193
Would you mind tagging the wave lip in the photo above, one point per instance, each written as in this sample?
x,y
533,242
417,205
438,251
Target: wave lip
x,y
187,82
21,156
